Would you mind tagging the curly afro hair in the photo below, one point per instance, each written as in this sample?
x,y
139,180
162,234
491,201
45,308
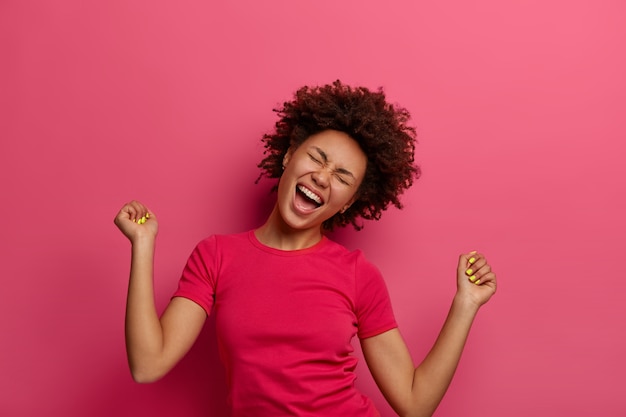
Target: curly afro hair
x,y
379,127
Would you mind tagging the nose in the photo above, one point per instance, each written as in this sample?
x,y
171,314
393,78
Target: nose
x,y
321,177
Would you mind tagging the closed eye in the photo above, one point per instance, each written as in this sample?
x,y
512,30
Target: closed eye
x,y
314,159
342,180
341,173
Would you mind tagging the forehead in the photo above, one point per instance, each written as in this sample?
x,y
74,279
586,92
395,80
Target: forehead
x,y
338,146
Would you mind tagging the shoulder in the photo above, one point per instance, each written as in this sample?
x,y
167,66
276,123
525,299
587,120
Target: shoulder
x,y
354,257
223,239
338,252
218,244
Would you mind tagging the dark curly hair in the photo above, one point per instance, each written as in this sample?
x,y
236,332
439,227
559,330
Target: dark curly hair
x,y
380,129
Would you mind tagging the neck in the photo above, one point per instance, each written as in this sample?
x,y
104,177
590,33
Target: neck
x,y
276,234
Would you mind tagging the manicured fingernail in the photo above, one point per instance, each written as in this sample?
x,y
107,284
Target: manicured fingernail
x,y
477,282
472,278
472,260
142,220
134,220
147,215
469,271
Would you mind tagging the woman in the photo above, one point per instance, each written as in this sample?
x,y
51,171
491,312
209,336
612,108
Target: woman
x,y
288,300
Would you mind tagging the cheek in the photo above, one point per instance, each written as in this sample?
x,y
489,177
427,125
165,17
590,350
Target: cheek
x,y
344,197
283,187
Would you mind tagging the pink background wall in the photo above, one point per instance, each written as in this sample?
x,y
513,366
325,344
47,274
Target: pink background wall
x,y
521,114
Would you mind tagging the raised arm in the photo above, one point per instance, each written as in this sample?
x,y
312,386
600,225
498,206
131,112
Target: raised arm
x,y
417,392
153,345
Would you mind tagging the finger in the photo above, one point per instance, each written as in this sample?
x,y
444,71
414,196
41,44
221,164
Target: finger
x,y
475,261
150,216
464,261
144,214
128,212
488,279
133,210
139,211
472,257
478,269
479,272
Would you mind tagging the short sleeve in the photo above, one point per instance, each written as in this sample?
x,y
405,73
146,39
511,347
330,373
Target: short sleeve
x,y
373,306
198,280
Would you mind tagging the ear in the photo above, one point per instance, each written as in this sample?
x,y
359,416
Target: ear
x,y
348,204
287,156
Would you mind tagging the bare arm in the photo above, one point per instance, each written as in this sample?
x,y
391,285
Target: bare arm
x,y
153,345
418,391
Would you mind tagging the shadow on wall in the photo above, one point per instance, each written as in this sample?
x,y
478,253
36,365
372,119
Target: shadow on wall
x,y
196,387
262,198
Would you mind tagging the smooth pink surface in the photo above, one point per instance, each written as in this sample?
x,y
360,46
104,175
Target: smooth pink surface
x,y
520,109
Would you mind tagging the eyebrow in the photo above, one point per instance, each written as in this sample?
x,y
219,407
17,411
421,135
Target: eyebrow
x,y
325,159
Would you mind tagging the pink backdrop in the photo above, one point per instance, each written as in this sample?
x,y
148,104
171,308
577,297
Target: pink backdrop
x,y
520,108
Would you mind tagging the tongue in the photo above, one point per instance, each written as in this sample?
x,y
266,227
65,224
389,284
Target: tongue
x,y
304,202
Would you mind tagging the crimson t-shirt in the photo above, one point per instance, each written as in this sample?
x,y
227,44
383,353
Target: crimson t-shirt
x,y
285,321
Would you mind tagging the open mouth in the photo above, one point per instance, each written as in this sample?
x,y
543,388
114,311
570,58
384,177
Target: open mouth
x,y
307,198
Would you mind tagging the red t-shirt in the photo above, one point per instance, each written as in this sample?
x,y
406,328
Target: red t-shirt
x,y
285,320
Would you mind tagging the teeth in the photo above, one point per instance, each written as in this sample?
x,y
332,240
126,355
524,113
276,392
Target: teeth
x,y
310,194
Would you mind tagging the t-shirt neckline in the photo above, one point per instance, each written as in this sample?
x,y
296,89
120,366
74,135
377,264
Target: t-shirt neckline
x,y
296,252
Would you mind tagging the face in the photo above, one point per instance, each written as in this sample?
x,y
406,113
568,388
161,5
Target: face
x,y
320,179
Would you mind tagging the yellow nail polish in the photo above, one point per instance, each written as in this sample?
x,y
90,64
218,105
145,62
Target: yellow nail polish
x,y
147,215
142,220
469,271
472,278
477,282
472,260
